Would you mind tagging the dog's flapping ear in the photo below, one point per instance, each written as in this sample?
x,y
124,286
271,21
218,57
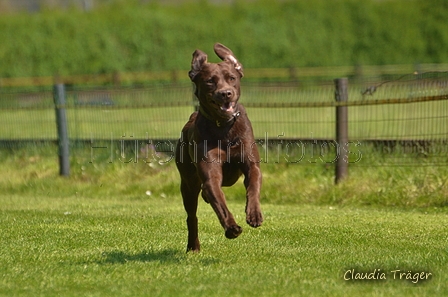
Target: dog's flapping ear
x,y
199,58
227,55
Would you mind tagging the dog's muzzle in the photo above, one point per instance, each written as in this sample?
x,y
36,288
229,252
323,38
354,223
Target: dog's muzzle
x,y
225,99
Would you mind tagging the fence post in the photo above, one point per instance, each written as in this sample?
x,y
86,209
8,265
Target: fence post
x,y
61,123
341,95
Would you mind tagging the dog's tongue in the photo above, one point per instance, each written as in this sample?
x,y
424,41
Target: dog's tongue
x,y
228,106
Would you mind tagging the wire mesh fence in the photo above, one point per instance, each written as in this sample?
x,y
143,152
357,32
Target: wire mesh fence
x,y
399,118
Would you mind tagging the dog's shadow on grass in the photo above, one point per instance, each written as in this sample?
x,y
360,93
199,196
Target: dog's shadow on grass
x,y
163,256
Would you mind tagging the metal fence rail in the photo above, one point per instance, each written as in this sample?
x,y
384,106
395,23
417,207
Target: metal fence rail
x,y
404,117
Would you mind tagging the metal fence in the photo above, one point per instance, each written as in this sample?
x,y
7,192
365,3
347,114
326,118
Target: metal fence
x,y
403,117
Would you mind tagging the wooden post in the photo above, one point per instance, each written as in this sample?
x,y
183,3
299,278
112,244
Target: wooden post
x,y
61,123
341,95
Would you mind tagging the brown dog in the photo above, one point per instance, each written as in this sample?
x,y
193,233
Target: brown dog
x,y
217,145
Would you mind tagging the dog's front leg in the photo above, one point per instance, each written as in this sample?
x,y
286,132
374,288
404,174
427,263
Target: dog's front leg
x,y
190,187
211,175
190,191
252,182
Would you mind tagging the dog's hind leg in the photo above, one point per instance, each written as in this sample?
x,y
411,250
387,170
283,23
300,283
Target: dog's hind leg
x,y
190,193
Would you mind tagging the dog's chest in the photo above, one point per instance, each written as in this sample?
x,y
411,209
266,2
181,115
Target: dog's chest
x,y
229,150
234,146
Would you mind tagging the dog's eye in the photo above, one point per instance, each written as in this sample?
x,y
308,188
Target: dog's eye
x,y
232,78
210,81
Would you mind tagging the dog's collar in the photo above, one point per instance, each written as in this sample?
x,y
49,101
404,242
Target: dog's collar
x,y
220,123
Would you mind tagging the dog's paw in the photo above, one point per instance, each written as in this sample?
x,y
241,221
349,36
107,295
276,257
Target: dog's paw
x,y
194,247
233,231
254,218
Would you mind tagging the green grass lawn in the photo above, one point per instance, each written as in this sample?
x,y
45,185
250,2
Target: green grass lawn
x,y
118,229
129,246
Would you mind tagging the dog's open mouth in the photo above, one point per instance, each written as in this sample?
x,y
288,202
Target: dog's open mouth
x,y
228,107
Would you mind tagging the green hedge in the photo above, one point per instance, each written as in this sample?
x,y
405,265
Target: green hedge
x,y
127,36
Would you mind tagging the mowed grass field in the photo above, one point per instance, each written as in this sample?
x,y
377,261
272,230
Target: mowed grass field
x,y
121,246
118,229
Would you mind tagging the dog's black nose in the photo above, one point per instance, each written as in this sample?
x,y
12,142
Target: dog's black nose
x,y
226,94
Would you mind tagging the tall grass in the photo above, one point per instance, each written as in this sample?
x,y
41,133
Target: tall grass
x,y
130,36
289,177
